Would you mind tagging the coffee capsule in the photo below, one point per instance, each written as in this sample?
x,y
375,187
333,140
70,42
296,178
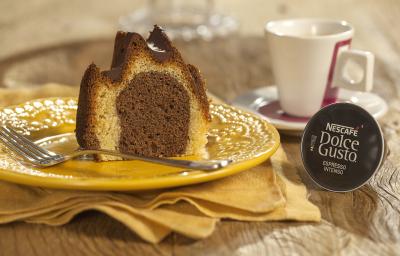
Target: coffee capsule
x,y
342,147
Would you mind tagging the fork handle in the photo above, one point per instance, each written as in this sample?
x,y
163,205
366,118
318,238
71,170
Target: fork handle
x,y
205,165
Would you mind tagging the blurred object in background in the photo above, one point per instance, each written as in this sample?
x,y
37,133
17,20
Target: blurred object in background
x,y
185,19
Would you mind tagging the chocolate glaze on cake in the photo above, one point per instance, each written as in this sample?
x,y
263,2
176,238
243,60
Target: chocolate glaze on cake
x,y
125,42
159,44
154,114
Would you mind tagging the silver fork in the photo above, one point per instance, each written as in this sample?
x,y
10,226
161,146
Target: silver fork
x,y
39,156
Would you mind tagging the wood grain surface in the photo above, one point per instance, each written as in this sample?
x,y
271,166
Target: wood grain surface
x,y
363,222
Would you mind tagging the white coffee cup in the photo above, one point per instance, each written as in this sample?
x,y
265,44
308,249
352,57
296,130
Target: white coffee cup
x,y
309,60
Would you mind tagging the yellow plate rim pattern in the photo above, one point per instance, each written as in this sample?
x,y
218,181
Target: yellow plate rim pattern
x,y
104,184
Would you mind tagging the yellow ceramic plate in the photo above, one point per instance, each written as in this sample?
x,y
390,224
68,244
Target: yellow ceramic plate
x,y
234,134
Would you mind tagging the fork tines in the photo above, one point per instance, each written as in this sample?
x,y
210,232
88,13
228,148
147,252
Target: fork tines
x,y
23,146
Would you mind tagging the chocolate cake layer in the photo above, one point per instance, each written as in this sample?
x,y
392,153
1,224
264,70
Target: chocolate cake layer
x,y
154,114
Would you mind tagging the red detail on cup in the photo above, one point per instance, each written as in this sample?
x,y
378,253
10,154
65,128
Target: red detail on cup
x,y
331,93
274,110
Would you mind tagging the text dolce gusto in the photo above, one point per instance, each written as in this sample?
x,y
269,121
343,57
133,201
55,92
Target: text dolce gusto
x,y
339,142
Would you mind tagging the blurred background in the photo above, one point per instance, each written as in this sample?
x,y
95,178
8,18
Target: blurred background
x,y
36,23
45,41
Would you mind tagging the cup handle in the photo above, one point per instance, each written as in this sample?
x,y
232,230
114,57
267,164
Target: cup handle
x,y
362,58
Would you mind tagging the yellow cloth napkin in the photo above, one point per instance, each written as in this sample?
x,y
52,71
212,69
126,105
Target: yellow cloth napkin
x,y
258,194
270,191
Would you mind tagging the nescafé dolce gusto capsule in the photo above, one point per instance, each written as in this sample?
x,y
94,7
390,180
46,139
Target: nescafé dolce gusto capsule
x,y
342,147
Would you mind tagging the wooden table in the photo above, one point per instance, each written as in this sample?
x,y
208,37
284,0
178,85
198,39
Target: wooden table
x,y
366,221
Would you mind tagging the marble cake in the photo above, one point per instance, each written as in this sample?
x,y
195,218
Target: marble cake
x,y
149,103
